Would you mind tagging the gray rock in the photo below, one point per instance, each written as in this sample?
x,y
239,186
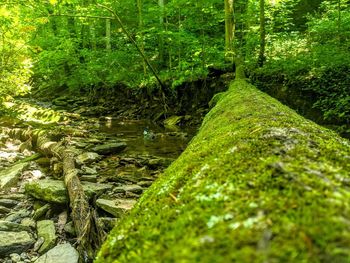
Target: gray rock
x,y
10,176
109,148
14,242
116,207
15,257
63,253
13,227
133,188
46,230
8,203
4,210
17,216
54,191
87,157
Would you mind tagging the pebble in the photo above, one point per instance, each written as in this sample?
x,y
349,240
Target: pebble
x,y
15,257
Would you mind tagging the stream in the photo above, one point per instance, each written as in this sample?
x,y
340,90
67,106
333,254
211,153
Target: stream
x,y
117,162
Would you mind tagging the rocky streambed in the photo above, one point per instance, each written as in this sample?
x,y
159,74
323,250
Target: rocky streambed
x,y
116,163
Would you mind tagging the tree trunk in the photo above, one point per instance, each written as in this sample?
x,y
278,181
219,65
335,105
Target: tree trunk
x,y
262,58
229,30
108,34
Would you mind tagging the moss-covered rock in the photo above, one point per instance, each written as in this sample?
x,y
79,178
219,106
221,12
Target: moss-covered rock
x,y
258,183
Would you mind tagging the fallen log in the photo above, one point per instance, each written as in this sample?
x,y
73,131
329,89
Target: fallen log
x,y
258,183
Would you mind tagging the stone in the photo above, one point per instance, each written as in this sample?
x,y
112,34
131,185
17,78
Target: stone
x,y
172,121
109,148
87,157
88,170
63,253
13,227
41,211
8,203
17,216
4,210
133,188
15,257
54,191
89,178
10,176
69,228
107,222
28,222
14,242
46,230
115,207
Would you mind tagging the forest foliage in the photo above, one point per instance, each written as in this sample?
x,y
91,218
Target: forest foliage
x,y
78,46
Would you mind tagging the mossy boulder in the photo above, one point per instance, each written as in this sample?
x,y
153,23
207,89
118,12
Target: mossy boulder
x,y
258,183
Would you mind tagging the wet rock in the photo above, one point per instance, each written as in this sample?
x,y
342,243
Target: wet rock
x,y
46,230
13,227
44,162
159,162
172,121
63,253
87,157
54,191
109,148
14,242
116,207
10,176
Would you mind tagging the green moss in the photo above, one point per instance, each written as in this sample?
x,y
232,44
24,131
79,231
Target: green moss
x,y
258,183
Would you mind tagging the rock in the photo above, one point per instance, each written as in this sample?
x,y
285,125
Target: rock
x,y
38,243
17,216
87,157
46,230
10,176
41,211
89,178
54,191
109,148
28,222
145,183
172,121
88,170
13,227
107,222
69,228
116,207
8,203
4,210
133,188
63,253
15,257
14,242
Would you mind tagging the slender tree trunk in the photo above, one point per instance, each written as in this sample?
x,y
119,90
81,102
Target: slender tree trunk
x,y
262,58
229,30
108,34
142,43
161,4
